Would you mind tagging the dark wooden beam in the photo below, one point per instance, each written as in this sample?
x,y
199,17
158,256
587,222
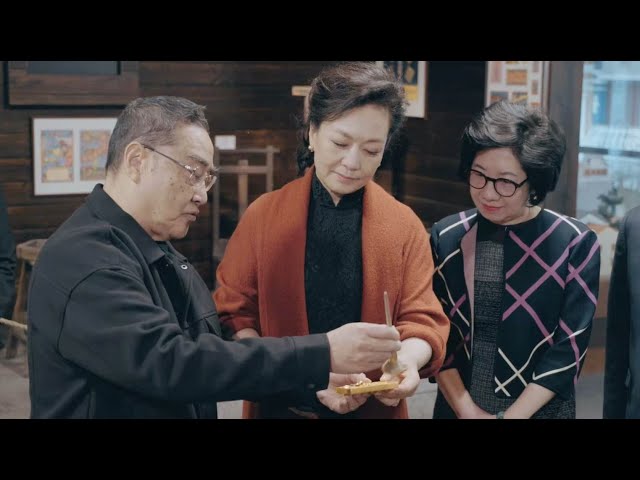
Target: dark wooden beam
x,y
565,98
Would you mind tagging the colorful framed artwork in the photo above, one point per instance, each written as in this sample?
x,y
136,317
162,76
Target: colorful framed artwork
x,y
69,154
414,78
523,82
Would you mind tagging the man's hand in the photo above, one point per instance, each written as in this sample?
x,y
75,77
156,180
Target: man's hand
x,y
342,403
245,333
361,346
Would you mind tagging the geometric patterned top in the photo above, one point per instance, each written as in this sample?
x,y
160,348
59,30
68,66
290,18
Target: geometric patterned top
x,y
550,288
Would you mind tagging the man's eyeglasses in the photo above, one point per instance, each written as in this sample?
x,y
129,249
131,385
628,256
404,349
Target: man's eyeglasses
x,y
503,186
196,174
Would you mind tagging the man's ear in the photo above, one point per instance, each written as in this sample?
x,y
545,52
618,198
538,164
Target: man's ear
x,y
133,161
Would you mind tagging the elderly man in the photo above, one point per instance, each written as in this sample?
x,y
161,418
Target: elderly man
x,y
121,324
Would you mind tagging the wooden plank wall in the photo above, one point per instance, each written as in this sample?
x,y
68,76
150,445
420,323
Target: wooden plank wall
x,y
429,182
253,101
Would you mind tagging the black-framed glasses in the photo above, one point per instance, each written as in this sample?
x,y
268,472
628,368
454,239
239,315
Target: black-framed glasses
x,y
196,174
503,186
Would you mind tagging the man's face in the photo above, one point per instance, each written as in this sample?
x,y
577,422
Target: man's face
x,y
171,202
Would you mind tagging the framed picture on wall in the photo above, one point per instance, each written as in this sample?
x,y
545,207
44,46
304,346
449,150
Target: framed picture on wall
x,y
523,82
70,154
414,77
71,83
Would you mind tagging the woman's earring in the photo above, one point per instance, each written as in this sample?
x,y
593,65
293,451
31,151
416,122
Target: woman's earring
x,y
310,148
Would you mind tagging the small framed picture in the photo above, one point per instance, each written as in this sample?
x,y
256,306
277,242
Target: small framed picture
x,y
523,82
413,75
70,154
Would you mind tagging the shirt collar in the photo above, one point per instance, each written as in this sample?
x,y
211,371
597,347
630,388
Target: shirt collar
x,y
104,207
321,195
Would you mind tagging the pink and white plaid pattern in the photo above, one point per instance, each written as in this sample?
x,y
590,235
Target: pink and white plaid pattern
x,y
551,288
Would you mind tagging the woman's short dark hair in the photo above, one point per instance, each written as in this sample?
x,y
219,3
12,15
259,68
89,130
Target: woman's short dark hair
x,y
535,139
154,121
343,87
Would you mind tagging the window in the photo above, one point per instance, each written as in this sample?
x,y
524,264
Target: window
x,y
609,155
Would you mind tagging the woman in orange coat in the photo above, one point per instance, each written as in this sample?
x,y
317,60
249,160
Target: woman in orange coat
x,y
321,251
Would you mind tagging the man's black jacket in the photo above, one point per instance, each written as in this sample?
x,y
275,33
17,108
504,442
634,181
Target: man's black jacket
x,y
122,326
622,368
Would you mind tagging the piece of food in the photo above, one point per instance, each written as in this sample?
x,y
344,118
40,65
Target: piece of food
x,y
366,387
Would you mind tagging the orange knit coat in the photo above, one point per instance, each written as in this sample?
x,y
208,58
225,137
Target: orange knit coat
x,y
261,277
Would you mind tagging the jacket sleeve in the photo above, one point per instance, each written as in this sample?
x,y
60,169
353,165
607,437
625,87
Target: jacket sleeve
x,y
560,365
618,333
7,263
455,342
420,313
236,296
123,338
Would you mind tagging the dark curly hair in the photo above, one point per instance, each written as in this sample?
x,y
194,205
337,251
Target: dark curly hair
x,y
535,139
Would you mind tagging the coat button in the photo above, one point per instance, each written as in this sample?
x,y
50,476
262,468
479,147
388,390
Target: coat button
x,y
184,267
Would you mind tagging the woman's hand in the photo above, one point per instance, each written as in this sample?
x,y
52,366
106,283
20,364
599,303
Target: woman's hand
x,y
414,354
477,413
409,381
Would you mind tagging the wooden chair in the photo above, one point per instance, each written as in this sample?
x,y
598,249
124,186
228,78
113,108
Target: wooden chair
x,y
26,254
242,169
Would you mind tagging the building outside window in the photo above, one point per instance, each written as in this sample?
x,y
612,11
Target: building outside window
x,y
609,155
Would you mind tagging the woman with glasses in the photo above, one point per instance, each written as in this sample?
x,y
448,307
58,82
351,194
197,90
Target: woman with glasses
x,y
519,282
322,250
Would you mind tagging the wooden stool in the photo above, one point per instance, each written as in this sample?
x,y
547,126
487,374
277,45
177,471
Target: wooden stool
x,y
26,254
